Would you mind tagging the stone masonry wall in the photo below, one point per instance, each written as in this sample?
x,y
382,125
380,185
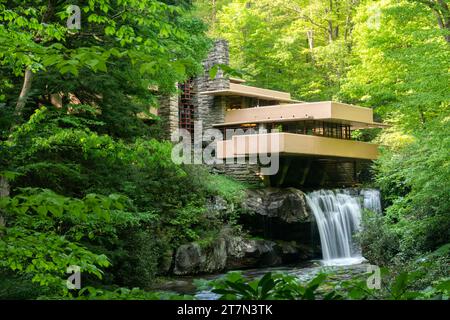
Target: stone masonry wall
x,y
211,109
208,109
245,172
168,111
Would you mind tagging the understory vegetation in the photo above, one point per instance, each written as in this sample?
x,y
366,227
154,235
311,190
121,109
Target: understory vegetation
x,y
92,183
90,177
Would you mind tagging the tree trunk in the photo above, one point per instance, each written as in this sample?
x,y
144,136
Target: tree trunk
x,y
310,35
330,31
4,192
442,12
213,15
26,87
445,19
4,187
330,23
28,77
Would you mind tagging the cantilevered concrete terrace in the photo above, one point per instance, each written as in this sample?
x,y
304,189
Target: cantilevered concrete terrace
x,y
328,111
240,90
319,129
288,144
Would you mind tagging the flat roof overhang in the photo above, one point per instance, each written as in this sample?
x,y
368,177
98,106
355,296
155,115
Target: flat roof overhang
x,y
236,80
295,144
252,92
355,116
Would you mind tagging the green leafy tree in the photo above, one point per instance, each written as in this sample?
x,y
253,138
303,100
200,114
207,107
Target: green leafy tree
x,y
401,63
121,48
299,46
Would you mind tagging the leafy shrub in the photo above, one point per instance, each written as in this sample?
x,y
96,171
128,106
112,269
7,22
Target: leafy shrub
x,y
46,232
90,293
20,287
415,179
135,260
394,286
379,243
271,286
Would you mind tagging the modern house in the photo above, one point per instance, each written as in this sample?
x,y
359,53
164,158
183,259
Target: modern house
x,y
313,140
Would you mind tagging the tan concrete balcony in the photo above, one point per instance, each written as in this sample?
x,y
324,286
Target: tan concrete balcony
x,y
334,112
295,144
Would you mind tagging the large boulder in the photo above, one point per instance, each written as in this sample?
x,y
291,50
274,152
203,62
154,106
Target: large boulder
x,y
189,259
251,253
192,258
235,252
281,214
230,253
287,205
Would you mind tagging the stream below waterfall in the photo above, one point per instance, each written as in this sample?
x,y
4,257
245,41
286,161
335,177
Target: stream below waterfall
x,y
304,272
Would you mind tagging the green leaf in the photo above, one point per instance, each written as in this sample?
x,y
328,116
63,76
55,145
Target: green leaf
x,y
213,71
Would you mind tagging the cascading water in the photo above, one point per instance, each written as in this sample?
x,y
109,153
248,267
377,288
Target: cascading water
x,y
371,200
338,218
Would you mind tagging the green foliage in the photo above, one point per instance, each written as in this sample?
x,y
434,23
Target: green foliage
x,y
401,62
20,287
90,293
161,205
281,286
270,287
379,243
109,63
135,257
42,233
416,178
90,186
231,190
425,278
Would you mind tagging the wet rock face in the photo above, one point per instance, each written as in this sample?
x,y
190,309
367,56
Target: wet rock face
x,y
280,214
250,253
188,259
234,252
287,205
193,259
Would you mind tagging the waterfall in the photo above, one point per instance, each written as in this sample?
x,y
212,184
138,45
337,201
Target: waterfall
x,y
338,218
371,200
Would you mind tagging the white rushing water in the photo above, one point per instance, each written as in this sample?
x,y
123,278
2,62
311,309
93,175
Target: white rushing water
x,y
338,218
371,200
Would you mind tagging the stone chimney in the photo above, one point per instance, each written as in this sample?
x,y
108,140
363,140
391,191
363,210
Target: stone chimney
x,y
211,109
208,109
